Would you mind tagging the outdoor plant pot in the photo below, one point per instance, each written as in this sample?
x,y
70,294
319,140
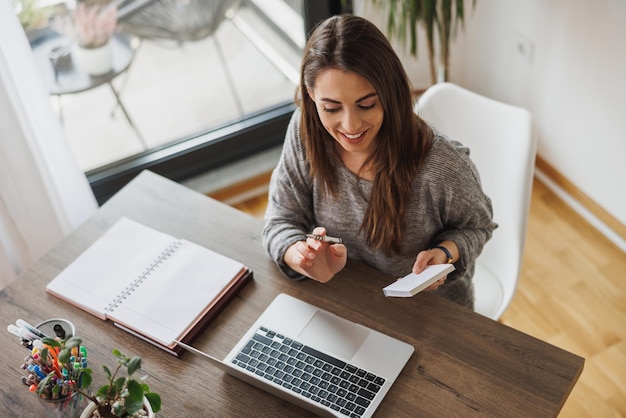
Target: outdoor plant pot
x,y
96,61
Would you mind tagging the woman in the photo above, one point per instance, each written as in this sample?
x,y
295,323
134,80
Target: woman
x,y
357,163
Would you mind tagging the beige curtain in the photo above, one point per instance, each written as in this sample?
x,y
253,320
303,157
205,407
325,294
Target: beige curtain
x,y
43,193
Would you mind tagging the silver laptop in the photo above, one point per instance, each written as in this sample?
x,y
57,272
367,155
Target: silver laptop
x,y
315,359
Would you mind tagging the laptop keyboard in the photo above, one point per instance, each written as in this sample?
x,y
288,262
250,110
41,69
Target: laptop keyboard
x,y
306,371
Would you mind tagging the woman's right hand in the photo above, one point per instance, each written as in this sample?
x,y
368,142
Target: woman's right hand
x,y
316,259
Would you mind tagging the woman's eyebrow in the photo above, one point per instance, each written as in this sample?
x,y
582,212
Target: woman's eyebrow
x,y
326,99
367,96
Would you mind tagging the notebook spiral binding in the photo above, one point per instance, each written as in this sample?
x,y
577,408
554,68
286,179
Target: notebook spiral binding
x,y
171,249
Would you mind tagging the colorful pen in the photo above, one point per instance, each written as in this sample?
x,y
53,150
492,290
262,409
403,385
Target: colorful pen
x,y
325,238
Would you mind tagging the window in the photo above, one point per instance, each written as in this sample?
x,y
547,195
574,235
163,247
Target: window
x,y
190,103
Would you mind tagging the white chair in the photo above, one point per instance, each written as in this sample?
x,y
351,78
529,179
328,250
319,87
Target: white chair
x,y
503,148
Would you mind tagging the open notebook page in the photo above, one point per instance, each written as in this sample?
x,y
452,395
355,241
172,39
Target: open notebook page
x,y
175,296
109,265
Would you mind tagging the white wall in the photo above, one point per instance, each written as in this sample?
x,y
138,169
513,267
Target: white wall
x,y
573,81
575,86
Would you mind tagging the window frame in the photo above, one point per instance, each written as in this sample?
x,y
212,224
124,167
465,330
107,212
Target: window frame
x,y
195,155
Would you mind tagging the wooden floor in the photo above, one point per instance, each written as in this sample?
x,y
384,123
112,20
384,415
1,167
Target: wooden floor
x,y
572,293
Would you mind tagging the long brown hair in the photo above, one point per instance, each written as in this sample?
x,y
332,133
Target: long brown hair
x,y
353,44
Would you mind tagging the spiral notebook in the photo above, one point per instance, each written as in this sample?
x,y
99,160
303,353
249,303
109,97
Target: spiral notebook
x,y
157,287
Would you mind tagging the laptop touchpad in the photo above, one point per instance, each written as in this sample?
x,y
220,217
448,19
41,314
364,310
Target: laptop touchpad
x,y
334,334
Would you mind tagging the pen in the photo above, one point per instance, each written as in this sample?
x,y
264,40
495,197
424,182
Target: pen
x,y
23,324
325,238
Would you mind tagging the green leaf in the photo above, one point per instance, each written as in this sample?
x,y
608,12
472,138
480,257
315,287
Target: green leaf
x,y
103,392
118,408
51,342
119,384
135,390
64,356
134,401
44,353
155,401
73,342
134,365
133,406
85,378
43,383
107,372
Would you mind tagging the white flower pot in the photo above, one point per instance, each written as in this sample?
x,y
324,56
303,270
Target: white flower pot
x,y
95,61
91,407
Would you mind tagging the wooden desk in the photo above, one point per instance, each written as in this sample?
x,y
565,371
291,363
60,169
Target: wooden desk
x,y
464,364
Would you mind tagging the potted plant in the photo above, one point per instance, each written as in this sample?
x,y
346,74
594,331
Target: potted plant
x,y
123,395
438,18
91,25
94,23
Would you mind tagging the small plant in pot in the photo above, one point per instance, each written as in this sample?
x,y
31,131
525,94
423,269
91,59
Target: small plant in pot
x,y
122,396
95,22
91,25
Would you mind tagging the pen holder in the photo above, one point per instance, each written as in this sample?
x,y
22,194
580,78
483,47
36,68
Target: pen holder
x,y
57,327
70,407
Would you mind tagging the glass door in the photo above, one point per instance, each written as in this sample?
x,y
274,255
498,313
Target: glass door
x,y
193,84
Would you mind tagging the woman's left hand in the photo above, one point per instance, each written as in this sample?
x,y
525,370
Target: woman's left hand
x,y
423,259
434,256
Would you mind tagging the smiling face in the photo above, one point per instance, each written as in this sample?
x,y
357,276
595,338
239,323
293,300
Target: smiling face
x,y
350,110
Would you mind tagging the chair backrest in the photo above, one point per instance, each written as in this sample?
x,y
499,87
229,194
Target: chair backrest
x,y
503,148
177,20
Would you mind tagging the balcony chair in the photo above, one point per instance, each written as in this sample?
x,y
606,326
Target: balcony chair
x,y
179,21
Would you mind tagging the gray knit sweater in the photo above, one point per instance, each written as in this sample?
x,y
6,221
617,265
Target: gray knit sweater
x,y
448,203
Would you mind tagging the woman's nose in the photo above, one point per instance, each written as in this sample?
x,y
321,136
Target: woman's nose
x,y
351,122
